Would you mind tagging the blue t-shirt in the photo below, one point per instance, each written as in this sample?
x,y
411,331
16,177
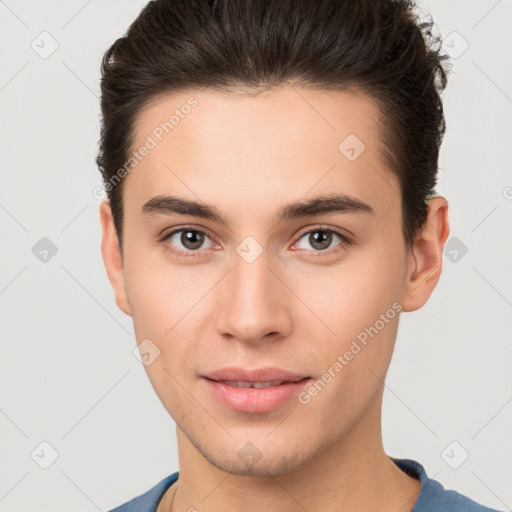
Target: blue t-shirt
x,y
433,497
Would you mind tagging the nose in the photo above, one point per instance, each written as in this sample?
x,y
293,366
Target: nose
x,y
253,304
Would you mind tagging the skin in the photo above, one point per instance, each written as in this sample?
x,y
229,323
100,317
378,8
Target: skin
x,y
296,307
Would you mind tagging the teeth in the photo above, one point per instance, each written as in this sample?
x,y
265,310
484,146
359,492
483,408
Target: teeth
x,y
242,384
267,384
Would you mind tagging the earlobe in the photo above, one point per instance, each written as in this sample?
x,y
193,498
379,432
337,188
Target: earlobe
x,y
426,256
112,259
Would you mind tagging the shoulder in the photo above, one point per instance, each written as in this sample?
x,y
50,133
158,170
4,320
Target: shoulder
x,y
433,496
148,501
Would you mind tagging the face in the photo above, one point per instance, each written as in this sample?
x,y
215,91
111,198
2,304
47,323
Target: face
x,y
263,274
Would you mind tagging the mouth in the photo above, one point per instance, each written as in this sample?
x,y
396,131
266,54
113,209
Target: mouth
x,y
255,396
263,375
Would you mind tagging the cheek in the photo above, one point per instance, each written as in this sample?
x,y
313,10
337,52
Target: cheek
x,y
359,302
168,305
354,360
350,297
162,302
160,293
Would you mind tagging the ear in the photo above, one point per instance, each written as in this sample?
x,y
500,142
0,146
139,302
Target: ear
x,y
425,258
112,259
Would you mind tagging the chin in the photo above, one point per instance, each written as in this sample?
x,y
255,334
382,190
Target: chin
x,y
253,459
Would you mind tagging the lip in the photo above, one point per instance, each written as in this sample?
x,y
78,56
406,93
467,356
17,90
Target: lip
x,y
256,375
254,400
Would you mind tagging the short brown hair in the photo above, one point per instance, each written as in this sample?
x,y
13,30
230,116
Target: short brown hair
x,y
378,46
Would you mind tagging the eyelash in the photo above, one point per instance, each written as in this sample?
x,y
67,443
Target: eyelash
x,y
345,241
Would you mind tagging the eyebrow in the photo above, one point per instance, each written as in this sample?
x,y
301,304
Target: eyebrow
x,y
331,203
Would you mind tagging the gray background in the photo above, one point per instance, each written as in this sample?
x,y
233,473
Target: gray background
x,y
68,374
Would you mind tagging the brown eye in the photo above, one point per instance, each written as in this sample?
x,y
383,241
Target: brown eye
x,y
187,241
191,239
319,240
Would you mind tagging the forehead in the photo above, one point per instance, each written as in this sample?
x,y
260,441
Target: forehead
x,y
264,147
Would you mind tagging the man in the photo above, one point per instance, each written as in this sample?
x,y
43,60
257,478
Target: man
x,y
271,168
